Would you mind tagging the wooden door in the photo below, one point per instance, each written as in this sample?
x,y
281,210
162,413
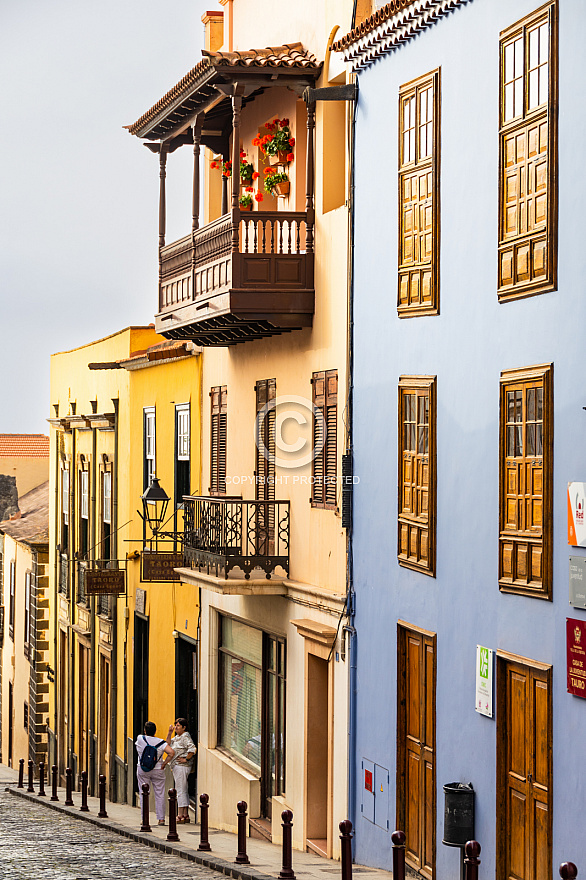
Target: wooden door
x,y
416,795
63,726
83,685
524,768
104,719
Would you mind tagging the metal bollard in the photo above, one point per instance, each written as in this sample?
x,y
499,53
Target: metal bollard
x,y
42,779
102,792
471,862
286,872
172,835
84,807
54,796
204,805
145,807
68,787
568,871
346,849
20,773
398,838
31,776
241,857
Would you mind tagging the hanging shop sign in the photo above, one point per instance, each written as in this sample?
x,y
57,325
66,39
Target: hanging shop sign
x,y
576,656
160,566
484,680
105,582
578,581
576,517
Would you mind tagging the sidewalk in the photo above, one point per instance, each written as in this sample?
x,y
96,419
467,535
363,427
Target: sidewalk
x,y
265,858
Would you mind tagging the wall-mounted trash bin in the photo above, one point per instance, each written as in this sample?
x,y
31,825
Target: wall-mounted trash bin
x,y
458,813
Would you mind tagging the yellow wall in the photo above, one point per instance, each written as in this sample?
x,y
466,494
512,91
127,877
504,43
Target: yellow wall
x,y
29,472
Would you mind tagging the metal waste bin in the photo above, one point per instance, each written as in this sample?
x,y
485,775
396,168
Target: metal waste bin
x,y
458,813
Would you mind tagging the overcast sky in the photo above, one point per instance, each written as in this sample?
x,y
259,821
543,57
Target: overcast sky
x,y
78,194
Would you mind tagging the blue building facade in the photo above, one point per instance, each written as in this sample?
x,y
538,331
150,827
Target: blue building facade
x,y
469,423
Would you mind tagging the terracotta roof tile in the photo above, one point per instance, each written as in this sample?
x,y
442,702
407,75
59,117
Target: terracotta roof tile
x,y
24,446
291,55
369,24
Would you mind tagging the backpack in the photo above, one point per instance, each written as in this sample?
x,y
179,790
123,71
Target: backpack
x,y
150,756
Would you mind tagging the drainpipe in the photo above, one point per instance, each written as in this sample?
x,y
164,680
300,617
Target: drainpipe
x,y
92,694
114,695
71,587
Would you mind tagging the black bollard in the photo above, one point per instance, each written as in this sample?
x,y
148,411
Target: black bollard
x,y
204,805
31,776
102,792
346,849
54,796
68,787
42,779
20,773
287,869
471,862
172,835
568,871
241,857
398,838
84,807
145,808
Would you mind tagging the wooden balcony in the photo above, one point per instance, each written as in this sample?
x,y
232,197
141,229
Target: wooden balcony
x,y
244,276
221,534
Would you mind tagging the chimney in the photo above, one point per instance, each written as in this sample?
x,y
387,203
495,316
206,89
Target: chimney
x,y
213,30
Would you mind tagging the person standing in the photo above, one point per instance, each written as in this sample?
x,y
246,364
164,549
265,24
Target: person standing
x,y
149,769
181,765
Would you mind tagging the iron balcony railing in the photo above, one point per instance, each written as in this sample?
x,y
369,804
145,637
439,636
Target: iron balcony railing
x,y
221,534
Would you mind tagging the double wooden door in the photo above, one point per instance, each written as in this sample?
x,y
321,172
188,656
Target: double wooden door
x,y
524,770
416,785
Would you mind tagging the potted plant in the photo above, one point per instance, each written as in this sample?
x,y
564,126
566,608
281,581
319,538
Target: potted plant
x,y
245,201
277,182
247,173
277,144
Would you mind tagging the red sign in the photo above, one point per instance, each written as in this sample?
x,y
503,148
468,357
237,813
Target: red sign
x,y
368,780
576,654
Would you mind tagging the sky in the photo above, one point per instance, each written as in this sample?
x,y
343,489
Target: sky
x,y
78,193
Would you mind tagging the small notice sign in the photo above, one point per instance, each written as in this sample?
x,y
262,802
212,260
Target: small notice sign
x,y
576,515
160,566
576,656
578,581
484,687
105,582
368,780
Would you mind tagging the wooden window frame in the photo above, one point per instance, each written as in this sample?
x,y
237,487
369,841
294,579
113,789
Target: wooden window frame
x,y
12,598
431,163
65,502
150,458
417,385
510,378
27,613
218,439
182,449
324,469
527,243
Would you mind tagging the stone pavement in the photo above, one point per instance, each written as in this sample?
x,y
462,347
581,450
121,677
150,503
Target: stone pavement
x,y
123,819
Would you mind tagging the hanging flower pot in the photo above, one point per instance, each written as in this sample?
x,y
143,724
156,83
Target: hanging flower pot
x,y
281,189
246,207
279,158
277,182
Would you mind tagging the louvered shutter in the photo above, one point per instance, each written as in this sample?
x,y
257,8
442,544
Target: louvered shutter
x,y
218,451
331,446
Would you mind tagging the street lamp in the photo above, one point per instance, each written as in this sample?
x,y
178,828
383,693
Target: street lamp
x,y
154,505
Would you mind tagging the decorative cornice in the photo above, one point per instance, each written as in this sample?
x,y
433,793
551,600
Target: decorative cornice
x,y
390,27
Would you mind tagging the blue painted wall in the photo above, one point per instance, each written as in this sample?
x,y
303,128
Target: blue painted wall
x,y
467,346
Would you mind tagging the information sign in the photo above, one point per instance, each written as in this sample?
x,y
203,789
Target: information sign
x,y
484,679
576,515
576,656
160,566
578,581
105,582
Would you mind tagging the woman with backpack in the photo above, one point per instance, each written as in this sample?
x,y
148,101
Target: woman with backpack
x,y
181,765
149,768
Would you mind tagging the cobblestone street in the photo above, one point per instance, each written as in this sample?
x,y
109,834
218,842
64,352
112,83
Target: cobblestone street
x,y
36,842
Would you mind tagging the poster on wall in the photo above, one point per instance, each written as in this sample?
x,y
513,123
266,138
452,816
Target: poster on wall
x,y
576,519
484,689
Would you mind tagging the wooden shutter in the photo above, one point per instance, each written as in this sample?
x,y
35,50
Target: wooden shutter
x,y
266,391
419,196
219,425
525,481
325,463
528,156
417,489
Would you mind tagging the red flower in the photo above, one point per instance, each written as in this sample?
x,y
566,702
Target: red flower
x,y
267,170
290,157
256,142
249,189
276,121
284,123
242,154
259,197
291,142
214,165
255,174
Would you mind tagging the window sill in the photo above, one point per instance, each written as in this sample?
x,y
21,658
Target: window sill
x,y
236,763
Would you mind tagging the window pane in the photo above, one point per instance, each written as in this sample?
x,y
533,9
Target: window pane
x,y
540,404
530,439
240,712
534,48
543,84
242,640
518,109
510,441
518,406
519,441
510,406
531,404
509,62
534,89
539,439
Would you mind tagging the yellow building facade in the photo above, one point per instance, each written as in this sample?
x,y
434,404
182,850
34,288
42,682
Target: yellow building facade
x,y
262,285
123,635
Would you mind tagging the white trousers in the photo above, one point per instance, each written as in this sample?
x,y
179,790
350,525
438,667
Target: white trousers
x,y
180,774
156,781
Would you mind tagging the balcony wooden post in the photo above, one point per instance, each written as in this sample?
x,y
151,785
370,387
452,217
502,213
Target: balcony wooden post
x,y
309,205
236,107
162,205
197,127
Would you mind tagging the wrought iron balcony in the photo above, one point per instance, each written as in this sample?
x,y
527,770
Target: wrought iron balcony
x,y
244,276
221,534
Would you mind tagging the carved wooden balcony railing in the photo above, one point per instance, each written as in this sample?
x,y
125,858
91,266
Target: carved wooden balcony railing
x,y
244,276
221,534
